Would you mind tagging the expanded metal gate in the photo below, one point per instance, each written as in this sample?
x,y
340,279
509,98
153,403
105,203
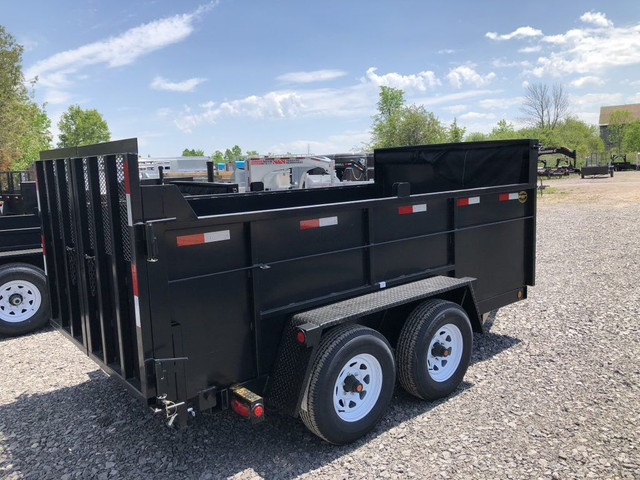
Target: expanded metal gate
x,y
87,238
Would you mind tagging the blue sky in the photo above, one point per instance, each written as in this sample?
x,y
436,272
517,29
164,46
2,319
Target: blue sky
x,y
288,76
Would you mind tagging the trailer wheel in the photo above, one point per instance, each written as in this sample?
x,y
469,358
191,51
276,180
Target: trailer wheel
x,y
351,384
434,349
24,300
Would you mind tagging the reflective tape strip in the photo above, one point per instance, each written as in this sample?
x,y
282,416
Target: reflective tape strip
x,y
200,238
504,197
406,209
136,304
134,288
127,192
318,222
468,201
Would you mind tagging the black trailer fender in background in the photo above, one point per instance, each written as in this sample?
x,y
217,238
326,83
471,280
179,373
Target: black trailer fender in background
x,y
301,338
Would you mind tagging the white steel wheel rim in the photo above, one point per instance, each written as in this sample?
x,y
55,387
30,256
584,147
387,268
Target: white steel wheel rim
x,y
19,301
353,406
441,367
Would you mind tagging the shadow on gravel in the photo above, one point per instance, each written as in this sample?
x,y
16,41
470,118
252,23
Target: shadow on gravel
x,y
46,329
97,430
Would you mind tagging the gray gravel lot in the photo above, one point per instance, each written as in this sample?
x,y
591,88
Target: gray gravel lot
x,y
553,391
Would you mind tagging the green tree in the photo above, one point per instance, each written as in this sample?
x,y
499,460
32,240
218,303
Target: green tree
x,y
192,152
391,100
36,137
503,131
396,124
228,155
455,133
24,125
218,156
476,137
618,123
82,127
631,138
252,153
236,151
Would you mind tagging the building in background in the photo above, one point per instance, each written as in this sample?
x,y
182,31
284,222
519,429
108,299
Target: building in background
x,y
605,113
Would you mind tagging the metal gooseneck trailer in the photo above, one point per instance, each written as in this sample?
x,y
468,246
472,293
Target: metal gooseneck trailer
x,y
303,302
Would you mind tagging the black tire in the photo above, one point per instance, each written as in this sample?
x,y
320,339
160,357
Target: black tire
x,y
582,175
337,348
10,277
417,334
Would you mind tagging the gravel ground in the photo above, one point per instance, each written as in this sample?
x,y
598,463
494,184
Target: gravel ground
x,y
553,390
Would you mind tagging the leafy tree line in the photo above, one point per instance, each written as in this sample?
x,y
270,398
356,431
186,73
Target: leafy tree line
x,y
24,125
546,114
398,124
230,154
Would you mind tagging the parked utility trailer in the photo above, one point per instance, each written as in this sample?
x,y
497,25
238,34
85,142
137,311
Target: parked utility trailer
x,y
289,301
24,298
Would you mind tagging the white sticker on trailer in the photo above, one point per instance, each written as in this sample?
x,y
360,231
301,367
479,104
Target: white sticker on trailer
x,y
474,200
217,236
136,304
325,222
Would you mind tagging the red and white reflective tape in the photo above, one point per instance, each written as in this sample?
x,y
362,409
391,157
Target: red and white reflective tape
x,y
127,192
134,287
468,201
407,209
505,197
200,238
318,222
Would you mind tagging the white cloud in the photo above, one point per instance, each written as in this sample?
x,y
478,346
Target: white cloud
x,y
477,116
532,49
595,100
272,105
500,103
446,51
634,98
521,32
501,63
465,74
160,83
456,109
56,97
452,97
585,81
309,77
57,71
347,142
420,81
589,51
596,18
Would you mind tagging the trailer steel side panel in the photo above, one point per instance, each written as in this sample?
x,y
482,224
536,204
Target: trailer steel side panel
x,y
186,296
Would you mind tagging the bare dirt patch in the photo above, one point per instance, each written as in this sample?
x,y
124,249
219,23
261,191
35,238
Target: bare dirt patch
x,y
620,190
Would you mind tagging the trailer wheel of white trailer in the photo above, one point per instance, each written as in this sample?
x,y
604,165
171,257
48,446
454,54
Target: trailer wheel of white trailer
x,y
351,384
434,349
24,300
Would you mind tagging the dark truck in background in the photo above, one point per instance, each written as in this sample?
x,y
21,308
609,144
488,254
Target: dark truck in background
x,y
303,302
24,297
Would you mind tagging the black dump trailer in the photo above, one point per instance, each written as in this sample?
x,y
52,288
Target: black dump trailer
x,y
290,301
24,297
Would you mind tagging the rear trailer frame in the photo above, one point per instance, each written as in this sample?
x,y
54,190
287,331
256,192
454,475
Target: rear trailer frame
x,y
191,300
